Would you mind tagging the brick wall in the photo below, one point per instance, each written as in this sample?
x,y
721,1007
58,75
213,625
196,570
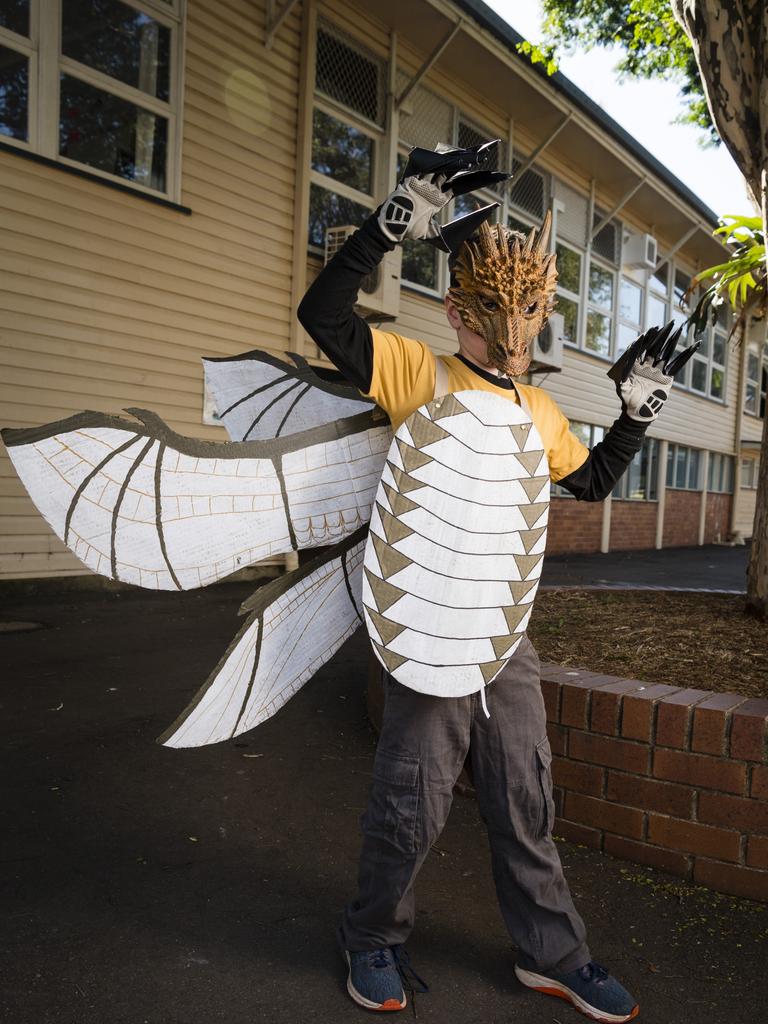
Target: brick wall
x,y
633,525
574,526
681,518
670,777
717,517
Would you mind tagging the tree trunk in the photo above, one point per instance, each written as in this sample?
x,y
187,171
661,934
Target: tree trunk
x,y
757,573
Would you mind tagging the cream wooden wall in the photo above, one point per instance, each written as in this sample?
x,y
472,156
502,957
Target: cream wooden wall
x,y
108,301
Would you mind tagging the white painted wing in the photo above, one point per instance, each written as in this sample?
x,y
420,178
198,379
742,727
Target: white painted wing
x,y
139,503
296,624
258,396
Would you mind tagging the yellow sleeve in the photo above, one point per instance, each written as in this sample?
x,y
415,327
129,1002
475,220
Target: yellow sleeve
x,y
565,452
403,375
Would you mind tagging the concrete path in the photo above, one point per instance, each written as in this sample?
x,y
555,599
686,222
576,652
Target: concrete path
x,y
712,567
142,885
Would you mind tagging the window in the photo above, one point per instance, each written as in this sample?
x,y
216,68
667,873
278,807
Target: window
x,y
112,104
749,474
639,481
657,306
347,124
683,468
756,381
630,314
589,435
720,476
600,296
569,264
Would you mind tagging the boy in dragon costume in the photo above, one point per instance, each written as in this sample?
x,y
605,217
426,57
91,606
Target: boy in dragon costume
x,y
502,291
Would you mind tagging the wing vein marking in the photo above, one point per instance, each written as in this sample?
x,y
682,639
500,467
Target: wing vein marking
x,y
84,483
269,405
119,501
252,680
291,407
159,514
256,391
348,583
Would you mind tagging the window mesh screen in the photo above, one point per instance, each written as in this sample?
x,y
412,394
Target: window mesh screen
x,y
572,221
425,119
349,74
528,191
606,242
469,135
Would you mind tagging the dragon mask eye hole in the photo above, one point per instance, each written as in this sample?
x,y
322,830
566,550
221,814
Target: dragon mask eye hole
x,y
531,309
489,305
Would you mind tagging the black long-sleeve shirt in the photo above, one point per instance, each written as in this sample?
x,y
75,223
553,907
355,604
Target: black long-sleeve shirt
x,y
327,314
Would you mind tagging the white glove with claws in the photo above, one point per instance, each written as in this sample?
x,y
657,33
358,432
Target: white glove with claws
x,y
644,374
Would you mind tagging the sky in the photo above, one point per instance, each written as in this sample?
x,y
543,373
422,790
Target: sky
x,y
646,110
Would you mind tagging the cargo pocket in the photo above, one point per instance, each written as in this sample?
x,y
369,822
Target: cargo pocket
x,y
544,773
393,806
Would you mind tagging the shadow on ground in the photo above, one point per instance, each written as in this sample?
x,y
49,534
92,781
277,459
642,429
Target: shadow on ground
x,y
142,885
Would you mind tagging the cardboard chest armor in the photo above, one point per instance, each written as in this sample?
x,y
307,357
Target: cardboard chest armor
x,y
456,542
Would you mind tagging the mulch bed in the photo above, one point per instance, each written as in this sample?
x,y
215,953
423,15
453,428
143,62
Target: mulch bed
x,y
684,639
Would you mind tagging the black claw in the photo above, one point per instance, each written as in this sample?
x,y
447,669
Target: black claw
x,y
659,341
469,181
681,359
426,161
669,349
457,231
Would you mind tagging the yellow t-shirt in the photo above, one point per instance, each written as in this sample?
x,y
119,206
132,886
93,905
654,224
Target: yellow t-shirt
x,y
404,379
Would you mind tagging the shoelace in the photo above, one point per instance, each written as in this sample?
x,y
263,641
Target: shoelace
x,y
412,983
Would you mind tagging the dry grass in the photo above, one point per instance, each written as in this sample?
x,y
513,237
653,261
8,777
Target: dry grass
x,y
699,640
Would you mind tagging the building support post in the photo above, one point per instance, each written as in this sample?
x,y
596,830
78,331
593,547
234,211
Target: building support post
x,y
661,492
605,535
297,338
703,507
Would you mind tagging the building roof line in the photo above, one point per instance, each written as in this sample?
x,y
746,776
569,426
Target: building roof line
x,y
488,19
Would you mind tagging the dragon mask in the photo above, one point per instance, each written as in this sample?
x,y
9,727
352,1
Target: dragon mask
x,y
503,286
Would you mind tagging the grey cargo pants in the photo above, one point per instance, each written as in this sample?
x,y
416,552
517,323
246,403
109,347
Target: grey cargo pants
x,y
422,747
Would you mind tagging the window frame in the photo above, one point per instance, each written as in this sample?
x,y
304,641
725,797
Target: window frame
x,y
569,295
47,64
722,465
590,306
650,450
673,451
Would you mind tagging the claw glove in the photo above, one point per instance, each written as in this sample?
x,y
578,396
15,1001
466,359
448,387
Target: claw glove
x,y
645,373
431,179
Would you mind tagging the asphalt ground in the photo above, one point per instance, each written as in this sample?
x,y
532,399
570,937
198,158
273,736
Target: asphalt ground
x,y
715,567
144,885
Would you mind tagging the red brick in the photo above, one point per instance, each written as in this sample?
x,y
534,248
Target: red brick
x,y
638,711
734,812
731,879
550,690
674,715
691,837
613,753
711,721
574,833
749,731
757,852
606,705
580,777
576,693
699,770
760,782
555,673
665,797
642,853
558,738
626,821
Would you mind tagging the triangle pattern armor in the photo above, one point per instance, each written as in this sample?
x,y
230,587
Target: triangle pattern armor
x,y
384,594
391,561
412,457
532,513
386,629
424,431
399,503
520,433
533,486
529,461
501,644
529,537
394,530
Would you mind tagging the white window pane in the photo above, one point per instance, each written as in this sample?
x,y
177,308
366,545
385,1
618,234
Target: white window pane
x,y
681,468
626,335
420,264
656,312
719,349
568,268
112,134
750,398
328,209
119,41
693,470
716,382
598,333
600,287
699,375
660,279
342,152
630,300
570,313
14,94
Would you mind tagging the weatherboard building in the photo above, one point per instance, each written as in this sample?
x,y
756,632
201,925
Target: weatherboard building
x,y
171,183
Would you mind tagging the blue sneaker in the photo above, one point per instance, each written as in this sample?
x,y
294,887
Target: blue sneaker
x,y
376,977
591,989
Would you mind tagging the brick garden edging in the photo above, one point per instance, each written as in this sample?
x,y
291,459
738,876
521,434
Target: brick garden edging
x,y
661,775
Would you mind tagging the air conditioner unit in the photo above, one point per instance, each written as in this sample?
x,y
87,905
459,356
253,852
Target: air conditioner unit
x,y
640,251
379,295
547,348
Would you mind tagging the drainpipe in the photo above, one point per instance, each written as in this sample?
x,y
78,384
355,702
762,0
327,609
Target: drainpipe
x,y
704,470
661,492
605,536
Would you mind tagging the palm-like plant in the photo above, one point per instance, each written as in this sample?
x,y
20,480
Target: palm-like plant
x,y
740,281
